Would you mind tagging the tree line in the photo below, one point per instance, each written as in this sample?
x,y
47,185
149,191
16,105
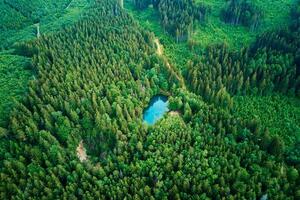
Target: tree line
x,y
242,12
270,64
177,17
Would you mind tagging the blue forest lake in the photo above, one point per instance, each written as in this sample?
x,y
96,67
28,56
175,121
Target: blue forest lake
x,y
157,108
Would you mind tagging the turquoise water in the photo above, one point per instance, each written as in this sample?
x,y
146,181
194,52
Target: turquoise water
x,y
157,108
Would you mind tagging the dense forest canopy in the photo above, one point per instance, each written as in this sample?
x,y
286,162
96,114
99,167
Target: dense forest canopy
x,y
15,71
20,18
78,132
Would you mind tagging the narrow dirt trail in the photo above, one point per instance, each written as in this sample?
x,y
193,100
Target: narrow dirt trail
x,y
159,51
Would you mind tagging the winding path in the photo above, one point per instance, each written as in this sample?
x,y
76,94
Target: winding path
x,y
159,51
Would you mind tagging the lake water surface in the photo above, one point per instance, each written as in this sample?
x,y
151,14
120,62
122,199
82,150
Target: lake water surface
x,y
157,108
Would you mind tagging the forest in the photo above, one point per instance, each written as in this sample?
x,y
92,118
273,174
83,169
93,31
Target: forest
x,y
73,99
177,17
242,12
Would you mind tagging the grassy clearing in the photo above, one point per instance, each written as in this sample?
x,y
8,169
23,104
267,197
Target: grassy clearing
x,y
177,53
216,31
280,114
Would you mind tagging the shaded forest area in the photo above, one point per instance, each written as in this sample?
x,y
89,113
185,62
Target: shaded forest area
x,y
177,17
94,79
243,12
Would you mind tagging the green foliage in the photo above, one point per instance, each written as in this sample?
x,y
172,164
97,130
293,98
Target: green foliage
x,y
178,53
221,73
271,64
296,16
177,17
242,12
175,103
14,76
214,31
276,146
293,174
16,26
9,15
280,114
93,80
37,9
21,17
276,15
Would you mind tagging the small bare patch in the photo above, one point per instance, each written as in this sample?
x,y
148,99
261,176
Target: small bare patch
x,y
174,113
143,88
159,49
81,152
